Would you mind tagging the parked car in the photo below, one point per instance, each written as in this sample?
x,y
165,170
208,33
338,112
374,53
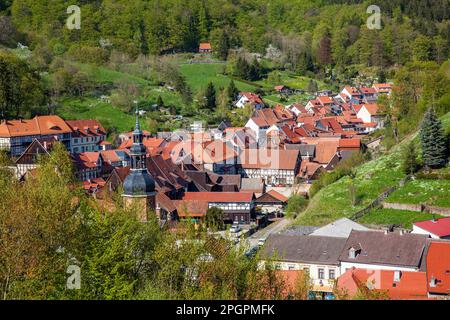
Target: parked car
x,y
251,252
261,241
235,228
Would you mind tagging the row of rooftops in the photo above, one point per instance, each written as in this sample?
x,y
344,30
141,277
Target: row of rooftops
x,y
374,251
50,125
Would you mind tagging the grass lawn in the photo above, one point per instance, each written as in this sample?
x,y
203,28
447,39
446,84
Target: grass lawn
x,y
432,192
104,75
199,75
92,108
291,80
275,99
403,218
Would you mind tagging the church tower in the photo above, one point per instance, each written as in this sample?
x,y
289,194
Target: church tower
x,y
139,186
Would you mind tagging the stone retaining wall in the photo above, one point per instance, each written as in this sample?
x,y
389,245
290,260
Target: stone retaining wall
x,y
417,208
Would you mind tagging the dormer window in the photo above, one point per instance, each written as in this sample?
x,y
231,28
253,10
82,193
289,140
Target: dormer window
x,y
397,276
353,253
433,282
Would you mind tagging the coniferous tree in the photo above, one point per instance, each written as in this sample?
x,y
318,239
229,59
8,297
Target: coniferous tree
x,y
232,91
210,96
434,146
223,45
410,162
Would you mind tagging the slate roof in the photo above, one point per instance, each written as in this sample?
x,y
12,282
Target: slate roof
x,y
385,249
304,249
299,230
340,228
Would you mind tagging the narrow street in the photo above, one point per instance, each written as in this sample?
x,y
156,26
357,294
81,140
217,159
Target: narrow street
x,y
273,228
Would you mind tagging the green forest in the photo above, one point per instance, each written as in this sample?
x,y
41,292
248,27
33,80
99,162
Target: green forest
x,y
145,51
144,54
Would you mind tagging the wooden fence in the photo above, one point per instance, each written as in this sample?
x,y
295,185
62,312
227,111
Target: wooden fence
x,y
378,201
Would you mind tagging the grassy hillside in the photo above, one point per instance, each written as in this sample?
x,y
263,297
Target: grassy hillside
x,y
334,201
92,108
199,75
431,192
372,178
385,217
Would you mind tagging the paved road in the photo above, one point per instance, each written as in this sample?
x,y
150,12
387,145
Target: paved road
x,y
273,228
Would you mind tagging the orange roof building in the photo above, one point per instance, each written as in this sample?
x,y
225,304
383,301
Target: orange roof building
x,y
237,206
205,47
16,135
396,285
438,268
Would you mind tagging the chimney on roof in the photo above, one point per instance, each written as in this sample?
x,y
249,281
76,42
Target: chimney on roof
x,y
433,282
397,275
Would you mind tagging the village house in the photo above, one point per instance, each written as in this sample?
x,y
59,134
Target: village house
x,y
88,165
29,159
17,135
379,250
205,47
203,181
383,88
248,98
238,207
283,90
438,268
274,166
395,285
263,119
369,114
318,256
435,228
115,158
271,201
352,93
87,135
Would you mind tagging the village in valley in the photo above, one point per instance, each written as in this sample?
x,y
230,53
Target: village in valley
x,y
249,174
224,150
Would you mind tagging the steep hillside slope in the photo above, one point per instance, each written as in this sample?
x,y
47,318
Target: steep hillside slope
x,y
372,179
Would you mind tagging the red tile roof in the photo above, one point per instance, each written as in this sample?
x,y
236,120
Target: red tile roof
x,y
39,125
325,100
86,159
412,285
371,108
150,143
439,227
350,143
278,195
269,158
86,128
205,46
253,97
438,267
191,208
